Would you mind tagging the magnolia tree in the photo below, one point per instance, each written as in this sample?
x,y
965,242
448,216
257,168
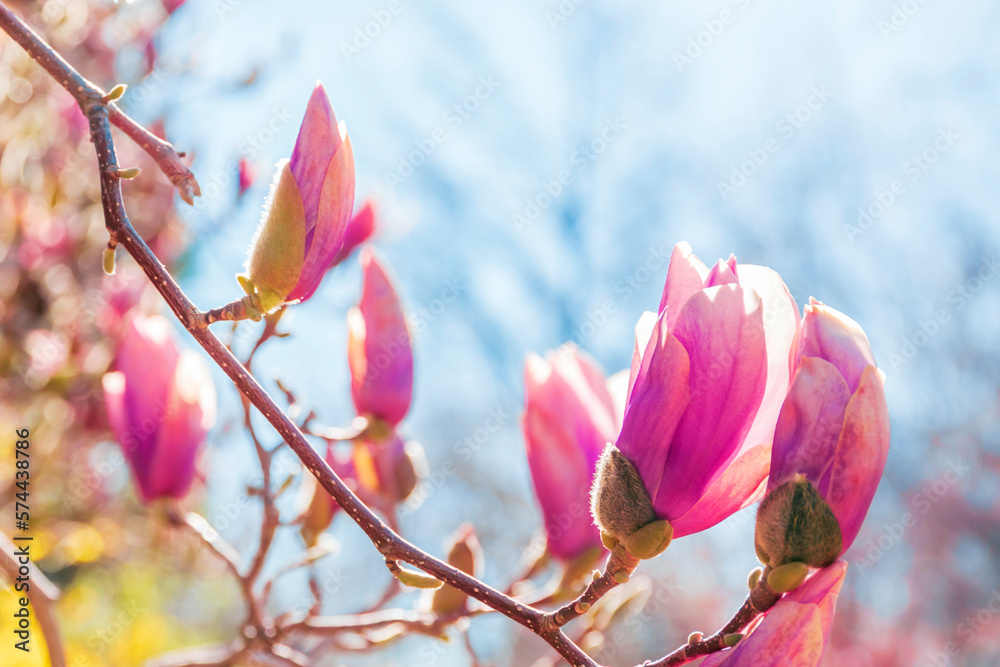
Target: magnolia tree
x,y
732,399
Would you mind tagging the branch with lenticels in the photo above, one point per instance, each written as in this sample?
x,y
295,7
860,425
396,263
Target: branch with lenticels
x,y
101,112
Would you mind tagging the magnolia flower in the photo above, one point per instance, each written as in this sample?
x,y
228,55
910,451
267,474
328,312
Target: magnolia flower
x,y
307,216
379,352
160,404
568,418
795,631
707,378
830,445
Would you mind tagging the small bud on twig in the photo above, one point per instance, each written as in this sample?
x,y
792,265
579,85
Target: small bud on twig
x,y
108,260
695,637
115,93
754,578
732,639
129,173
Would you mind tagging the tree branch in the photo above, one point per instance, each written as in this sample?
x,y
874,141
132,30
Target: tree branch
x,y
88,94
386,541
41,593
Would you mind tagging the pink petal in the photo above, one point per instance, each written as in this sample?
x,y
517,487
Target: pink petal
x,y
659,397
318,141
810,422
686,275
560,436
379,350
860,457
741,485
326,238
723,273
829,334
795,631
359,230
190,412
781,324
147,355
722,330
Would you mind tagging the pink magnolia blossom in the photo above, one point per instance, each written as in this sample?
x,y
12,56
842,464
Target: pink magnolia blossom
x,y
160,404
834,424
306,217
322,163
707,379
379,351
569,417
795,631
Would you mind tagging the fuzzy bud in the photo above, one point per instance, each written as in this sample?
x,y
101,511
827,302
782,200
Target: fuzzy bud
x,y
795,524
279,249
623,510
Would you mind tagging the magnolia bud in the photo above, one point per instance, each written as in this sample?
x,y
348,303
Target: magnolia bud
x,y
623,510
116,92
466,554
732,639
695,637
108,261
279,249
787,577
754,578
795,524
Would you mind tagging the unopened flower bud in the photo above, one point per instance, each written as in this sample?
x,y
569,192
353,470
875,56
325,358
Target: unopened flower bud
x,y
795,524
279,249
115,93
108,261
623,510
466,554
787,577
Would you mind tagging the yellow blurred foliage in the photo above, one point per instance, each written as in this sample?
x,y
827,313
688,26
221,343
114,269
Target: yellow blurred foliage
x,y
37,656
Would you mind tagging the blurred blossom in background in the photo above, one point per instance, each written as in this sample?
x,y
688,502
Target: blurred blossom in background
x,y
533,166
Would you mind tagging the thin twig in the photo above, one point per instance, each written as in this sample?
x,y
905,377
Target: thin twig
x,y
41,592
761,598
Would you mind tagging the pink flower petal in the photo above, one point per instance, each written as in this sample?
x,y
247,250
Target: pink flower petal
x,y
723,273
829,334
810,422
795,631
566,423
686,275
781,324
359,230
861,453
659,397
741,485
326,238
189,413
380,355
318,141
722,330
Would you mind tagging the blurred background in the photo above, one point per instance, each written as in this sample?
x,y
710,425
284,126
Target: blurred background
x,y
850,146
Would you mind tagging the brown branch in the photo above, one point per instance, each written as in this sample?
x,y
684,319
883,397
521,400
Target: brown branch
x,y
88,94
41,593
386,541
761,598
620,566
